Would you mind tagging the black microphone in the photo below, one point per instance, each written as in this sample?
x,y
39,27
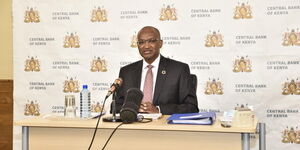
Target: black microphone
x,y
132,102
114,87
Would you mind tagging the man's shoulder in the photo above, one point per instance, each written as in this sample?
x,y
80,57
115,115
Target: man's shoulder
x,y
176,62
132,65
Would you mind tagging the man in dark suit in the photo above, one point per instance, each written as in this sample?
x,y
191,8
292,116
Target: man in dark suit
x,y
166,83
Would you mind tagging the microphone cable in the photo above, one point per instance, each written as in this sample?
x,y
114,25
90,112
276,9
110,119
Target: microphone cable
x,y
95,131
111,135
141,120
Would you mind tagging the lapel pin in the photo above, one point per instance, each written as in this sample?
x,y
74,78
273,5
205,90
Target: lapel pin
x,y
163,72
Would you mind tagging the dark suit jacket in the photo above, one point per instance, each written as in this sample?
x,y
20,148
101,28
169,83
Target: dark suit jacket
x,y
173,88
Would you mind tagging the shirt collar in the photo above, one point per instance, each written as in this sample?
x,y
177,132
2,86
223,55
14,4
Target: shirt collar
x,y
154,64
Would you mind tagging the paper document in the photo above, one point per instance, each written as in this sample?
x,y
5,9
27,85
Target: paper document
x,y
151,116
191,117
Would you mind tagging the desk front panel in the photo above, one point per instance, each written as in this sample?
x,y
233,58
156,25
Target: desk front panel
x,y
79,139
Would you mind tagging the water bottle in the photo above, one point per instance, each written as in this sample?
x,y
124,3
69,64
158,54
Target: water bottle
x,y
85,102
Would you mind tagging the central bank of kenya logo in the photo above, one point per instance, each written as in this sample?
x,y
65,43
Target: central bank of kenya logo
x,y
98,65
291,87
242,64
214,39
213,87
32,64
96,107
242,11
71,86
291,38
99,15
168,13
31,16
32,109
134,41
291,135
71,41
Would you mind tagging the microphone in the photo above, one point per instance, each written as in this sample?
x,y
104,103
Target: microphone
x,y
132,102
114,87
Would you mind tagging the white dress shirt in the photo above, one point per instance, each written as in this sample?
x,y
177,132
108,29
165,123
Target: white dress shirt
x,y
155,65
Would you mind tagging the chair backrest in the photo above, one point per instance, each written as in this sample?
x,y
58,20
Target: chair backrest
x,y
194,82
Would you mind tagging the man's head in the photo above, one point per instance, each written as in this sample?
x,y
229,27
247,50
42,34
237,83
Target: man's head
x,y
149,43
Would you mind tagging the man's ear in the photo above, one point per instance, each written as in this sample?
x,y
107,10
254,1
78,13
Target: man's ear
x,y
161,43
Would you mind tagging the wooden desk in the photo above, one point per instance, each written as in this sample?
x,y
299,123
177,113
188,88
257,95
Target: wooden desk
x,y
58,133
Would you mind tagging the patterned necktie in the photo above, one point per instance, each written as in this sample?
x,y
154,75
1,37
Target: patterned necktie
x,y
148,85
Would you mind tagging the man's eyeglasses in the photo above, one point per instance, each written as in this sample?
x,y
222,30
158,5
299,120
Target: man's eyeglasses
x,y
150,41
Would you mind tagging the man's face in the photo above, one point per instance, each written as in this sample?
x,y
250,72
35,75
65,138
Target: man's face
x,y
149,44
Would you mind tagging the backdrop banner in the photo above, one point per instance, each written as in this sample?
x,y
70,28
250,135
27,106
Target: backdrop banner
x,y
242,51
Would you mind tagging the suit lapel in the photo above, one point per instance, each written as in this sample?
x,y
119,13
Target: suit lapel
x,y
137,74
160,79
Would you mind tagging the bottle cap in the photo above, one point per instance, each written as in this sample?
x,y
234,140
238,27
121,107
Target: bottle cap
x,y
84,86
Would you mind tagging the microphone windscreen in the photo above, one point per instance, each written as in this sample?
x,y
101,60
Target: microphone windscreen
x,y
129,111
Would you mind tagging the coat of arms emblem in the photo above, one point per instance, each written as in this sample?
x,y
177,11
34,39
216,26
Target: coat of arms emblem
x,y
291,38
71,86
32,109
71,41
134,41
242,65
168,13
32,64
291,88
31,16
96,107
213,87
214,40
242,11
99,15
98,65
291,135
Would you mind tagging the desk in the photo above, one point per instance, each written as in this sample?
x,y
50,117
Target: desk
x,y
75,134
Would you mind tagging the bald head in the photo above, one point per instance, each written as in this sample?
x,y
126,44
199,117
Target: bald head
x,y
149,29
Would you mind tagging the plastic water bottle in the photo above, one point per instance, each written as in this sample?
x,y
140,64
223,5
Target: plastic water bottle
x,y
85,102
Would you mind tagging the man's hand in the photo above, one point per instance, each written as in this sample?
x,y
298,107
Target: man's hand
x,y
148,107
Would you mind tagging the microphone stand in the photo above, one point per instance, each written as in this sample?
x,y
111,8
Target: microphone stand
x,y
113,118
114,107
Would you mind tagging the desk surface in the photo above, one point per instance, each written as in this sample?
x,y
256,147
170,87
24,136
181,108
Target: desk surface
x,y
160,124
